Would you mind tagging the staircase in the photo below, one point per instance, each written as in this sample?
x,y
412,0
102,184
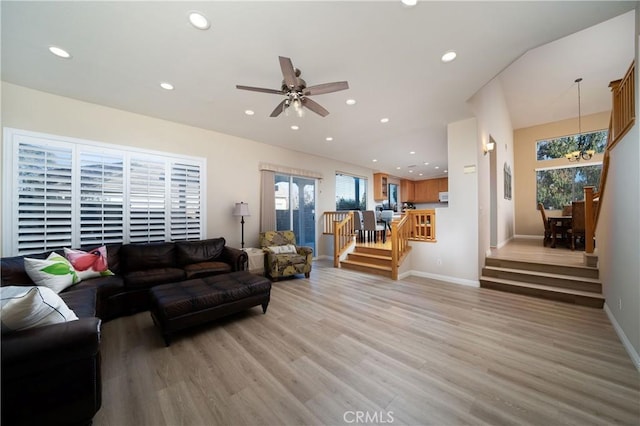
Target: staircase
x,y
565,283
373,260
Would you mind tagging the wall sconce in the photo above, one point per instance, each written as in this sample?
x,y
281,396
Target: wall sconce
x,y
489,146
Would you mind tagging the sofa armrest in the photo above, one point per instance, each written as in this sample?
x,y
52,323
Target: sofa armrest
x,y
304,250
45,347
237,258
51,374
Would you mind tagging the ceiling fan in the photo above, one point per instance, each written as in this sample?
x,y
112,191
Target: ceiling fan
x,y
296,91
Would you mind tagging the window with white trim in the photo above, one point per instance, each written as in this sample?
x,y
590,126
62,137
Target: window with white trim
x,y
62,192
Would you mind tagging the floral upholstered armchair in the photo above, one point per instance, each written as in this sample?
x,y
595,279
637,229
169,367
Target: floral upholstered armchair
x,y
282,256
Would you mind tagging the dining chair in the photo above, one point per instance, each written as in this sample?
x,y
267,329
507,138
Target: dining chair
x,y
566,210
370,226
357,226
577,223
386,216
547,225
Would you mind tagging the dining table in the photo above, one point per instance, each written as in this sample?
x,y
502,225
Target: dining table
x,y
558,225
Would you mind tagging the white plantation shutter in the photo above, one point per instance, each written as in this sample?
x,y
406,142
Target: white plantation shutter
x,y
186,201
61,192
147,200
43,197
101,198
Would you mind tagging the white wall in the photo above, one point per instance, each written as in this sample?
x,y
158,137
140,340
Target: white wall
x,y
490,108
618,233
454,256
232,163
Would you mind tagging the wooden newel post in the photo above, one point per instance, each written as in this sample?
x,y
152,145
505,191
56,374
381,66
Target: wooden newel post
x,y
589,220
336,244
394,250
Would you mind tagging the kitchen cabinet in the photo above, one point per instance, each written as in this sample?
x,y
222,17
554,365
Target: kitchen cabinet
x,y
407,191
427,191
380,186
443,185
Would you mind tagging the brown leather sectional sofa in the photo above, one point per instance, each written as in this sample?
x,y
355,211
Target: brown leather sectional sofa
x,y
51,374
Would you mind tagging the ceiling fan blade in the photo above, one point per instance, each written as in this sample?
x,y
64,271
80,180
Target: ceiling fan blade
x,y
276,112
319,89
288,73
315,107
260,89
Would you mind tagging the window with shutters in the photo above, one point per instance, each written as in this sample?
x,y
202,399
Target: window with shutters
x,y
62,192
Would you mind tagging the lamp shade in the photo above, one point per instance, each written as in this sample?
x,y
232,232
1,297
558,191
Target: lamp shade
x,y
241,209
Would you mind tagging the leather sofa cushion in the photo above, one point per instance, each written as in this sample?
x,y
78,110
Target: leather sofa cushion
x,y
151,277
113,257
105,287
203,269
189,252
142,257
81,301
12,270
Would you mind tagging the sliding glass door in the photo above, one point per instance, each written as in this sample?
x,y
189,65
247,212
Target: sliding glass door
x,y
296,207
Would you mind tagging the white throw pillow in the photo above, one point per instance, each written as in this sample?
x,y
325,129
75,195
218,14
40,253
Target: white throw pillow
x,y
24,307
54,272
286,249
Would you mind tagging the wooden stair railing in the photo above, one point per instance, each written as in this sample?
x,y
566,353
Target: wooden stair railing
x,y
400,233
422,225
415,225
343,234
330,218
623,110
623,116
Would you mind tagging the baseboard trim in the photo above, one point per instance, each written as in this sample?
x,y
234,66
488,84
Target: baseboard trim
x,y
635,358
503,243
529,237
445,278
404,275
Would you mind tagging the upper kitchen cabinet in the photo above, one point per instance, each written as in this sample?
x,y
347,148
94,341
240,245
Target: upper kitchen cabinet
x,y
407,191
428,190
380,186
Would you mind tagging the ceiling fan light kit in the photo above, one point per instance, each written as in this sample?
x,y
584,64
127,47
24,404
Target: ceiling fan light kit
x,y
296,92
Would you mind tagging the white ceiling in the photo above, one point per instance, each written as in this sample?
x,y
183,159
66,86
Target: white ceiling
x,y
389,54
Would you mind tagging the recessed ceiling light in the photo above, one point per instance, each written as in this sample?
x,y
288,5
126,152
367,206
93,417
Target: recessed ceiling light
x,y
437,167
59,52
398,168
328,138
410,171
374,160
412,152
198,20
426,164
421,174
384,120
294,127
409,2
446,171
448,56
166,86
351,101
249,112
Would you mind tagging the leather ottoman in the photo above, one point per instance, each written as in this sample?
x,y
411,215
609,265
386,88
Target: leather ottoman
x,y
184,304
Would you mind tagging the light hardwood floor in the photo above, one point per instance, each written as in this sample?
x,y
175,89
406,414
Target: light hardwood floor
x,y
413,351
532,250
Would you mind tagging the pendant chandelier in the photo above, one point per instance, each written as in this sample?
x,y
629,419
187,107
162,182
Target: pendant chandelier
x,y
582,152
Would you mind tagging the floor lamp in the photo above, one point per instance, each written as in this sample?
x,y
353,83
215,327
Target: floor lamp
x,y
242,210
